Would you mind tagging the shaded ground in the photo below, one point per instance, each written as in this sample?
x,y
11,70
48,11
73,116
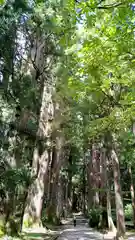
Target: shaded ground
x,y
80,232
131,236
49,235
39,236
68,232
83,232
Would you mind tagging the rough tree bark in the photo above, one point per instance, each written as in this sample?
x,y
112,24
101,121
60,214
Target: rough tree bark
x,y
132,193
93,176
111,225
57,161
55,191
70,187
38,65
118,195
41,158
96,173
89,179
103,185
84,185
65,183
60,200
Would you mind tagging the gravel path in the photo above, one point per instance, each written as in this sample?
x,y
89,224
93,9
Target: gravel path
x,y
80,232
83,232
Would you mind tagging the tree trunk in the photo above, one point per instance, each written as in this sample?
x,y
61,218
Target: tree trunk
x,y
70,187
84,185
41,158
32,213
66,207
65,182
96,173
132,194
111,225
118,196
93,172
89,179
45,114
103,185
59,200
57,160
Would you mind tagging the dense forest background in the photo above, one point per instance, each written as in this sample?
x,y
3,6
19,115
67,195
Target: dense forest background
x,y
67,113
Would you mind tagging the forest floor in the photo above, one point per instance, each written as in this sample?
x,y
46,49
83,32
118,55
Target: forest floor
x,y
68,232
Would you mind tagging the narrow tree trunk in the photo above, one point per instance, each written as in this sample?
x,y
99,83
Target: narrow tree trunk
x,y
96,172
103,185
89,179
132,194
66,200
84,185
70,190
118,196
111,225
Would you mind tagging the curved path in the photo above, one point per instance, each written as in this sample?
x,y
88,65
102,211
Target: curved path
x,y
80,232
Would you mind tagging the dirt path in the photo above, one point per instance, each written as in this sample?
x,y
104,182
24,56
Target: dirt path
x,y
80,232
83,232
68,232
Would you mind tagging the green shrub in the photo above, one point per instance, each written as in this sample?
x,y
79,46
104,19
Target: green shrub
x,y
2,226
49,216
12,227
94,217
128,212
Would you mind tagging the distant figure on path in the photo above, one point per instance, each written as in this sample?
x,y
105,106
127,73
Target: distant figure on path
x,y
74,220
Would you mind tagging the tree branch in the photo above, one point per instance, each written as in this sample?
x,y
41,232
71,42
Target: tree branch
x,y
111,5
30,133
101,1
108,6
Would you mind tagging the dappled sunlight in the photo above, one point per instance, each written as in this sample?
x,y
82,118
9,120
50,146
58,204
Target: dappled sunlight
x,y
70,230
81,238
130,236
80,232
89,233
67,119
79,214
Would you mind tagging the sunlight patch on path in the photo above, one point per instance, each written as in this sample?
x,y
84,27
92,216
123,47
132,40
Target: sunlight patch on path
x,y
80,232
83,232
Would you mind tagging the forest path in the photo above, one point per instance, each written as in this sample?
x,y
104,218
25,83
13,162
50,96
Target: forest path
x,y
80,232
